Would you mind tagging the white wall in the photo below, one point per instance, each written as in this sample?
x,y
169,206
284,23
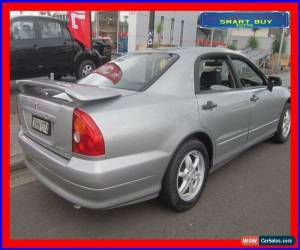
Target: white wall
x,y
263,42
250,32
138,22
189,30
137,29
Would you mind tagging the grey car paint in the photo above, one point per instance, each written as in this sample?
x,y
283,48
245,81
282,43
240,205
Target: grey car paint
x,y
142,131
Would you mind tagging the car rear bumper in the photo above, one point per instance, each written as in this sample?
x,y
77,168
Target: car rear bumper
x,y
97,184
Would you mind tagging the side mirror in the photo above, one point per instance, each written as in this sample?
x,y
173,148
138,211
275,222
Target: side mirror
x,y
273,81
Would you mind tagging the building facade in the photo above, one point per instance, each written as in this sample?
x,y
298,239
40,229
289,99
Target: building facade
x,y
127,31
178,28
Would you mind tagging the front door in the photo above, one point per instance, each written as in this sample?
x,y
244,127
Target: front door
x,y
224,109
265,108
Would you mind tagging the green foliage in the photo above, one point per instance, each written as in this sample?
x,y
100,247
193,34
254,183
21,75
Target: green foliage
x,y
155,45
231,46
277,40
159,29
252,43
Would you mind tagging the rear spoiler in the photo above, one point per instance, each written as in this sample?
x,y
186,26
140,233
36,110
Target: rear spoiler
x,y
77,92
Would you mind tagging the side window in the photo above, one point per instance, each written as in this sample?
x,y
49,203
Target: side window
x,y
50,29
248,77
22,30
215,75
66,34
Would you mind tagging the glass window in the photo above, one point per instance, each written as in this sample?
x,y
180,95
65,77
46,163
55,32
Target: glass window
x,y
50,29
132,72
66,34
215,75
247,75
22,30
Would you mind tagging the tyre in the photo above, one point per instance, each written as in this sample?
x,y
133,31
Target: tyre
x,y
85,68
284,126
186,176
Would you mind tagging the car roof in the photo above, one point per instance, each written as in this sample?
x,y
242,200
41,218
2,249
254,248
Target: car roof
x,y
191,51
48,18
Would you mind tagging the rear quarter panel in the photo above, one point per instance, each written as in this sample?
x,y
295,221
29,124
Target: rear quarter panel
x,y
144,124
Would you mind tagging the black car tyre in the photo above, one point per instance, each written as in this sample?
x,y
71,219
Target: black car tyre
x,y
85,68
186,176
284,126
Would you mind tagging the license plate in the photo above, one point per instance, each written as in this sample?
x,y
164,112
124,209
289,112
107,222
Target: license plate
x,y
41,125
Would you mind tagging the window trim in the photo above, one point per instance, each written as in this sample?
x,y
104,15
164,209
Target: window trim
x,y
226,58
50,38
35,28
239,86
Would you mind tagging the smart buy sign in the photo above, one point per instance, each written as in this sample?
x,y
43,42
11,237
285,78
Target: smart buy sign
x,y
243,20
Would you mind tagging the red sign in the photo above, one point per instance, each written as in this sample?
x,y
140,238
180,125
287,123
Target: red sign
x,y
80,26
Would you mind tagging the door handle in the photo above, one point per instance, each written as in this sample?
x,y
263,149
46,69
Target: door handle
x,y
209,105
254,98
35,46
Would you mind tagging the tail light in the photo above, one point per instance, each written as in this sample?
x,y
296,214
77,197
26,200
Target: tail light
x,y
87,138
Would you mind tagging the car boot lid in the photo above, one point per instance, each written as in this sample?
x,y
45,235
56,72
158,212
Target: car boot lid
x,y
79,93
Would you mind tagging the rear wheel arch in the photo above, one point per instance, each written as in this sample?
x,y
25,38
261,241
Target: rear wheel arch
x,y
207,141
170,194
202,137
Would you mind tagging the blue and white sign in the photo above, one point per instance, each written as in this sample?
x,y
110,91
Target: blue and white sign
x,y
223,20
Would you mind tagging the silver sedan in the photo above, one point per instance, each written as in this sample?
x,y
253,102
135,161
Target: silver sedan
x,y
148,124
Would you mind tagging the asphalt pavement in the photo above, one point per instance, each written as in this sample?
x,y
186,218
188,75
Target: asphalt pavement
x,y
248,196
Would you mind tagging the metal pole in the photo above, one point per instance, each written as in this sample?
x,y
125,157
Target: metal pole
x,y
91,31
150,36
118,29
228,37
96,24
280,48
212,37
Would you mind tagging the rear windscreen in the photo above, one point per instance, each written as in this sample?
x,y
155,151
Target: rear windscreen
x,y
132,72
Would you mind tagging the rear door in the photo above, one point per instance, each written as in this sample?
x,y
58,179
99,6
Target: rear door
x,y
224,110
56,50
265,108
23,48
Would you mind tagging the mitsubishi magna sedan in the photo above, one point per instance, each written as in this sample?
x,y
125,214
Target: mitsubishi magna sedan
x,y
148,124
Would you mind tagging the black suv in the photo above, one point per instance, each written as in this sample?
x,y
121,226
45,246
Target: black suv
x,y
40,45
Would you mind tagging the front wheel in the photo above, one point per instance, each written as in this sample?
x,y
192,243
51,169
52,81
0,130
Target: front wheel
x,y
186,176
85,68
284,126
